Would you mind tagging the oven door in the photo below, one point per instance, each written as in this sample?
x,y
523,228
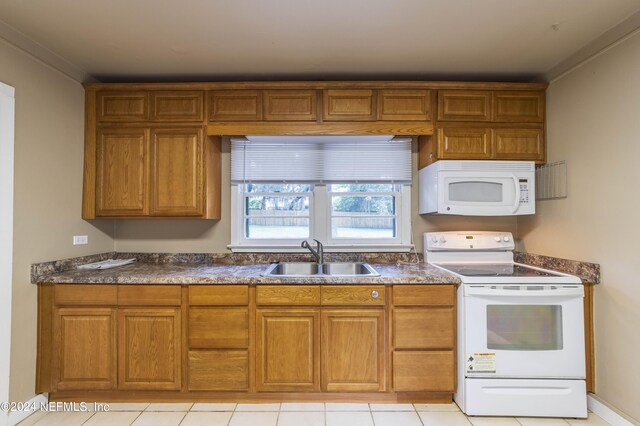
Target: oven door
x,y
524,331
485,193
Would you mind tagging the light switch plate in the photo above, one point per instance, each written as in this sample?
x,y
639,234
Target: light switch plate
x,y
79,240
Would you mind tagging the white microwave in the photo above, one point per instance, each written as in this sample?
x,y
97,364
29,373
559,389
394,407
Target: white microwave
x,y
478,188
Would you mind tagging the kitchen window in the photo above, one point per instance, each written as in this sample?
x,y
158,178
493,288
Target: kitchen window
x,y
351,193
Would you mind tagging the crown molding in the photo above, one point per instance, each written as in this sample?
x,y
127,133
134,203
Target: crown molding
x,y
34,49
607,40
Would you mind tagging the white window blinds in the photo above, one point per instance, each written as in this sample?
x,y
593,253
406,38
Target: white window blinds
x,y
321,159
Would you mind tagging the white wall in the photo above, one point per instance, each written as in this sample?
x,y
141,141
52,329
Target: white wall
x,y
7,114
593,122
49,139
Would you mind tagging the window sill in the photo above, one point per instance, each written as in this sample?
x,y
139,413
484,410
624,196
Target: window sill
x,y
335,248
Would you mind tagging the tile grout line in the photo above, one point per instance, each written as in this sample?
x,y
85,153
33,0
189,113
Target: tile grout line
x,y
134,420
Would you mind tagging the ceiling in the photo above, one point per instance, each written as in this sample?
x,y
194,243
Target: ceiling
x,y
143,40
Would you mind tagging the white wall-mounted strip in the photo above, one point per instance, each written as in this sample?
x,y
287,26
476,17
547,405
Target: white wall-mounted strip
x,y
608,414
37,401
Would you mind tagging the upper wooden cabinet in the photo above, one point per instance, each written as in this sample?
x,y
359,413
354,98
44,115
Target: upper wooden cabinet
x,y
235,105
519,144
177,172
122,172
122,106
464,105
518,106
404,105
464,143
349,105
290,105
178,105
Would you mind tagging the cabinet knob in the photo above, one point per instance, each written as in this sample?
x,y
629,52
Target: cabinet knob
x,y
374,294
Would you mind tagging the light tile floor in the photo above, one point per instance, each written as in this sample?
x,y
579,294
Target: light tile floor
x,y
290,414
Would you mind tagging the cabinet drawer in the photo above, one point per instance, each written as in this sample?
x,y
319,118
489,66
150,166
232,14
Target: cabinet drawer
x,y
349,105
78,294
219,295
235,105
423,328
122,106
464,143
149,295
287,295
423,371
218,328
518,106
518,144
464,105
424,295
353,295
404,105
218,370
177,106
290,105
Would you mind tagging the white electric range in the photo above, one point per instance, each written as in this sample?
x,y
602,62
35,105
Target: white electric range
x,y
520,329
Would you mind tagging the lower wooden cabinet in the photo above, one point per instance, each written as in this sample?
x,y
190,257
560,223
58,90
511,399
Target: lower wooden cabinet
x,y
149,349
288,350
227,338
353,350
84,348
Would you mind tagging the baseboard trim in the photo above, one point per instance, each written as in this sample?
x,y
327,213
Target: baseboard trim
x,y
607,413
16,417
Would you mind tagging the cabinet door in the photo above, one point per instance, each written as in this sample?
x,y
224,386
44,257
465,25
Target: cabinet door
x,y
464,143
519,144
404,105
353,350
464,105
179,105
149,349
84,353
349,105
290,105
177,179
122,172
235,105
122,106
288,350
518,106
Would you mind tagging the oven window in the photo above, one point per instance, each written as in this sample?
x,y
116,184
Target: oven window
x,y
524,327
475,191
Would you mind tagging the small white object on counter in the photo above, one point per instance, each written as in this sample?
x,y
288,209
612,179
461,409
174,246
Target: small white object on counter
x,y
107,264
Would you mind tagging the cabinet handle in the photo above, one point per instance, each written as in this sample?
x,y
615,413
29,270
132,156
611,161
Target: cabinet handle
x,y
374,294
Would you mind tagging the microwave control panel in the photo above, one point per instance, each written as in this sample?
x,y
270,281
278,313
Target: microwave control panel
x,y
524,191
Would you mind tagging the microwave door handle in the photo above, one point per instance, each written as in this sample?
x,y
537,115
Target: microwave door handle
x,y
516,203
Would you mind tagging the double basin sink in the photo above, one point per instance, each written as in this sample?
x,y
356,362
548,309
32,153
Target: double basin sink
x,y
309,269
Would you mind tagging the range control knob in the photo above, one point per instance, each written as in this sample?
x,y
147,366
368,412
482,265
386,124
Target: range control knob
x,y
497,239
506,239
443,239
434,239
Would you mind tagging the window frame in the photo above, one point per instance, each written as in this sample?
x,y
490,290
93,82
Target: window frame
x,y
320,224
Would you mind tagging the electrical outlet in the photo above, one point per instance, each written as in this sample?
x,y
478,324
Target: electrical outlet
x,y
79,240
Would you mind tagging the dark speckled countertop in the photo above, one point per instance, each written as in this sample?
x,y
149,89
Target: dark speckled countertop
x,y
200,269
247,268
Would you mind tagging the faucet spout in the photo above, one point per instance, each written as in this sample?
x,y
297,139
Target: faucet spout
x,y
318,253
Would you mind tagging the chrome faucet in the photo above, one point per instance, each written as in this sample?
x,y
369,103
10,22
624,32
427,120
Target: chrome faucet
x,y
318,254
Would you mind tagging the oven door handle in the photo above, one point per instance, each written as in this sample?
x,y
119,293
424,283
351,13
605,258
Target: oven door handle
x,y
577,291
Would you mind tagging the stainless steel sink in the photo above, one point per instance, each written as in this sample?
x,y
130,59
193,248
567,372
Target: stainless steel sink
x,y
334,269
349,268
295,269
